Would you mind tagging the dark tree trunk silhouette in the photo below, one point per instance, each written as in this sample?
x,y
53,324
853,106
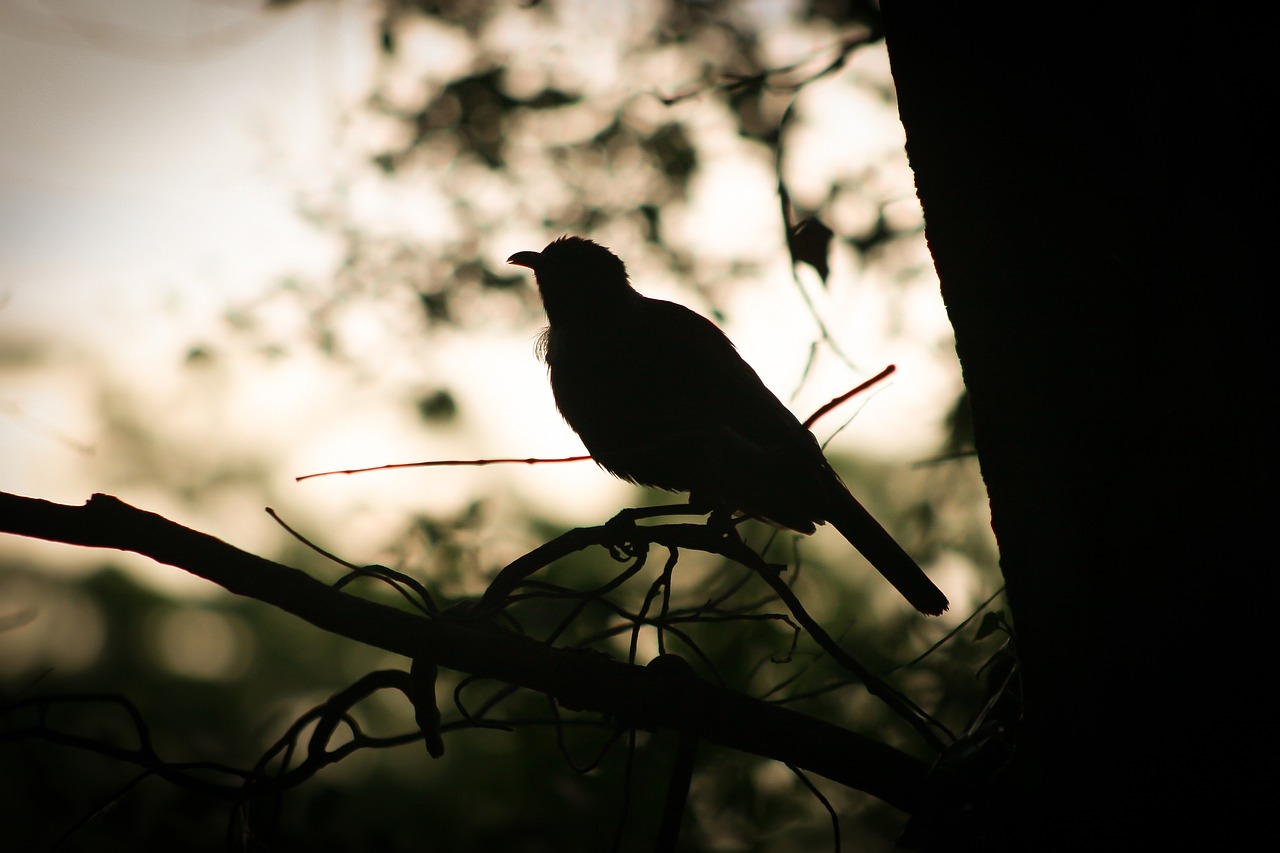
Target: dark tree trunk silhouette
x,y
1094,203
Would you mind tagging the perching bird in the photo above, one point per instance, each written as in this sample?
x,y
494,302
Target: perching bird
x,y
660,397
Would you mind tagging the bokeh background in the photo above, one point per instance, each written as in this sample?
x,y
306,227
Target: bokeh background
x,y
241,243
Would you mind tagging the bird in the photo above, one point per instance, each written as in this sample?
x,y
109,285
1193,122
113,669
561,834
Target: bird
x,y
661,397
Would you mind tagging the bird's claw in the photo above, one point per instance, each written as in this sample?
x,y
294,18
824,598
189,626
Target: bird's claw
x,y
625,519
722,522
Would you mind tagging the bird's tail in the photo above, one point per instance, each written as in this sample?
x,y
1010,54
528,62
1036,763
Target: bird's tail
x,y
885,554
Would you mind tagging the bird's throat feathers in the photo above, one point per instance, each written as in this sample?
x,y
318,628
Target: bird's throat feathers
x,y
572,302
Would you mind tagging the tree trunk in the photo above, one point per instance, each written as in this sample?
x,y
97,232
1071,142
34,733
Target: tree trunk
x,y
1093,196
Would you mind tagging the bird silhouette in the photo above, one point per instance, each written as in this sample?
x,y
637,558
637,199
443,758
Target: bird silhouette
x,y
661,397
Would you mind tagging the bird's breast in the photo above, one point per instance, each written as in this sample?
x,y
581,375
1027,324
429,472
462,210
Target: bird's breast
x,y
594,377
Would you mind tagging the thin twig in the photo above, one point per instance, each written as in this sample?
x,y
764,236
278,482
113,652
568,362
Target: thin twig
x,y
827,407
437,463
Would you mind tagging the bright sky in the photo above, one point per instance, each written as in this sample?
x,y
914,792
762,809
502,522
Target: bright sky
x,y
144,185
124,154
148,168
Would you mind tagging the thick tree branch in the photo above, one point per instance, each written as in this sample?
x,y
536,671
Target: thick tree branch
x,y
653,697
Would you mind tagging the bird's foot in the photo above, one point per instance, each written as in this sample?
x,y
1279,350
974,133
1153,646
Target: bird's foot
x,y
722,522
620,532
624,520
628,517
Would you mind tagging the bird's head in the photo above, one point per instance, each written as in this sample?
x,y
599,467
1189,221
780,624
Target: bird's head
x,y
577,278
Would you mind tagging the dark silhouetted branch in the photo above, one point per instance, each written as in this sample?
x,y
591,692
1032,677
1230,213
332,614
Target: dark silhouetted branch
x,y
649,698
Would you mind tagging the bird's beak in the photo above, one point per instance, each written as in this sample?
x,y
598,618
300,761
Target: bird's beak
x,y
526,259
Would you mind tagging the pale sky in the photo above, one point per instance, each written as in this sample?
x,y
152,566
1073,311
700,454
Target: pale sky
x,y
149,164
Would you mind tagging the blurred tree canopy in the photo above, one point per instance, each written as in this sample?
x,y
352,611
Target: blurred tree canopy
x,y
491,124
489,127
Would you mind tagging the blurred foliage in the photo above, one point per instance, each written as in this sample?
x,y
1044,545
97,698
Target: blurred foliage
x,y
518,130
580,117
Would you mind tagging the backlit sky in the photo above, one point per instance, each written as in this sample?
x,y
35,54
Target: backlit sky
x,y
149,165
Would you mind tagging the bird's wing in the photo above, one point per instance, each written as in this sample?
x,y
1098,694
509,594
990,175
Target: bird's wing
x,y
718,390
660,396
